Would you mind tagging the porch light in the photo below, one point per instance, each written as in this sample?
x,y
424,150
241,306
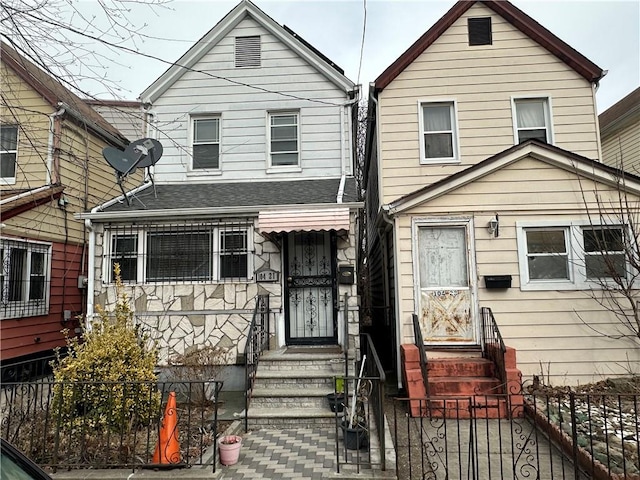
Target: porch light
x,y
494,226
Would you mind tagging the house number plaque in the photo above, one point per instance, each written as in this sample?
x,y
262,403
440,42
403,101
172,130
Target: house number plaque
x,y
267,276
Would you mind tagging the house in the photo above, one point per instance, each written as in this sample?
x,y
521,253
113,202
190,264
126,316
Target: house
x,y
484,189
254,195
620,133
52,168
125,115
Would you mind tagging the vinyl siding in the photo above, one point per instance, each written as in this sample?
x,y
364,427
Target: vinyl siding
x,y
622,148
481,80
554,331
243,111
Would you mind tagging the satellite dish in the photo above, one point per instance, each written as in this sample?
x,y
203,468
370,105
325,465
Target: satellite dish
x,y
119,160
147,151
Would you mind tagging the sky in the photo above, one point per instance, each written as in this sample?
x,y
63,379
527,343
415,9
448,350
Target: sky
x,y
606,32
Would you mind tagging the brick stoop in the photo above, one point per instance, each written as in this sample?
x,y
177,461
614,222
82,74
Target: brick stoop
x,y
461,387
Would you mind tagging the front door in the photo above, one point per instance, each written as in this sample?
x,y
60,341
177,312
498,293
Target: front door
x,y
310,288
445,290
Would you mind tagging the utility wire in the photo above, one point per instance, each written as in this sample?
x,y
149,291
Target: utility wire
x,y
364,30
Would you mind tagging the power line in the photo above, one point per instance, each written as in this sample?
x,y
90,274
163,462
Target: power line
x,y
364,30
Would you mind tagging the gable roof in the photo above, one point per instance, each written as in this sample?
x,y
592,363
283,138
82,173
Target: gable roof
x,y
511,14
245,9
621,113
550,154
57,95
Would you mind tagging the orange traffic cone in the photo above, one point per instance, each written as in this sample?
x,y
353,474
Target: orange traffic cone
x,y
168,447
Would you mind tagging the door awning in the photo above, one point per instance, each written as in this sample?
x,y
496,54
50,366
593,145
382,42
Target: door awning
x,y
275,221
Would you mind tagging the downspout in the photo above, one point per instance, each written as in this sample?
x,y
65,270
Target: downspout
x,y
594,89
91,266
52,161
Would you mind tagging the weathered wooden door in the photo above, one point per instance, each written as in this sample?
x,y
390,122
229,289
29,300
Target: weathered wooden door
x,y
310,296
444,289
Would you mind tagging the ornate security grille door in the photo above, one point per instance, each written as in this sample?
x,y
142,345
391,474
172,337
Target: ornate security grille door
x,y
310,288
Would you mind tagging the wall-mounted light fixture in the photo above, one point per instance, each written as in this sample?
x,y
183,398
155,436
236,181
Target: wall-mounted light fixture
x,y
494,226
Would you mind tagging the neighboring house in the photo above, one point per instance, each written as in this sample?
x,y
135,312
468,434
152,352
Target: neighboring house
x,y
481,168
620,133
127,116
52,168
254,195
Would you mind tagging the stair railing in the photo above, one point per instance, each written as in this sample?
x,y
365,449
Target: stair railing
x,y
257,342
419,342
493,347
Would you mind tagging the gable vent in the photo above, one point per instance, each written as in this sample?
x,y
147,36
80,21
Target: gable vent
x,y
479,31
248,51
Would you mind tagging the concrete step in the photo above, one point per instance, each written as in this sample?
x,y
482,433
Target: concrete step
x,y
460,367
294,379
479,406
463,386
315,398
283,418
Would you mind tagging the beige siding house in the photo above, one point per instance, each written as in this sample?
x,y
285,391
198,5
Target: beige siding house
x,y
485,189
620,133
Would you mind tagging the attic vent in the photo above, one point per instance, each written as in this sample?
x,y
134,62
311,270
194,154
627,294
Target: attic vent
x,y
248,51
479,31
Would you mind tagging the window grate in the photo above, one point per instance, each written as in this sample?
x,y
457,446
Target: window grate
x,y
248,51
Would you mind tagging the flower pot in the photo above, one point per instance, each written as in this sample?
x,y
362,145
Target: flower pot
x,y
229,448
336,402
355,437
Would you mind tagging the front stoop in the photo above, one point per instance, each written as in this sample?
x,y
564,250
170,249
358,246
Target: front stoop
x,y
461,387
291,389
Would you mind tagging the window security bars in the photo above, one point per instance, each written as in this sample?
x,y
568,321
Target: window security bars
x,y
24,278
204,252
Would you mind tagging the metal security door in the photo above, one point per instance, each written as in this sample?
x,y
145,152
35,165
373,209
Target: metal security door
x,y
445,288
310,305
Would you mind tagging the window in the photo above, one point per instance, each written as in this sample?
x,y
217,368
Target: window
x,y
572,256
206,143
181,253
438,125
532,119
25,278
8,152
479,31
247,52
283,139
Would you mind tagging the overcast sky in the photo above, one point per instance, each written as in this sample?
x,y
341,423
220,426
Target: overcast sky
x,y
606,32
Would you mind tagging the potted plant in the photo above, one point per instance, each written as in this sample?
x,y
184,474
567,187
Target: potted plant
x,y
354,424
336,398
229,449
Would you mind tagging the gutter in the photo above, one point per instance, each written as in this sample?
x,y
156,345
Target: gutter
x,y
50,144
24,194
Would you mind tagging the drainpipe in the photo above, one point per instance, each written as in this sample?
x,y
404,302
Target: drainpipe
x,y
341,189
51,144
91,262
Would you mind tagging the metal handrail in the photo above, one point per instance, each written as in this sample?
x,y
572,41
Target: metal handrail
x,y
419,342
257,342
493,347
374,370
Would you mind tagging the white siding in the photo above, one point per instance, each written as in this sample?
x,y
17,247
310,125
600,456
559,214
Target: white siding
x,y
243,111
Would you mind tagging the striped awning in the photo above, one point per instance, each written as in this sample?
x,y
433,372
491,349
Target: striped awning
x,y
274,221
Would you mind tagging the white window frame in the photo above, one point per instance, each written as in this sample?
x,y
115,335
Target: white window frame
x,y
192,143
453,105
576,256
142,251
11,180
283,168
548,113
25,308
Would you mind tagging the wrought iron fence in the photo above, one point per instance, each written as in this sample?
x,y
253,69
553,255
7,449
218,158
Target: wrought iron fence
x,y
567,436
111,424
26,370
257,342
493,347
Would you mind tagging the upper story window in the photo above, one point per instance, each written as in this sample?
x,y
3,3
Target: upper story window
x,y
8,153
439,140
24,278
567,257
206,143
247,53
284,142
532,119
479,31
186,253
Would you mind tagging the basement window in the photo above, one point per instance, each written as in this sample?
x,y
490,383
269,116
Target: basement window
x,y
248,51
479,31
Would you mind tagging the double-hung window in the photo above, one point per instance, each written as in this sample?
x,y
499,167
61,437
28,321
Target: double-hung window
x,y
181,253
284,141
206,143
571,256
532,119
24,278
8,153
439,140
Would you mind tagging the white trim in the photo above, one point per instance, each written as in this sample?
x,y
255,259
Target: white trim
x,y
12,180
453,105
191,170
284,168
548,113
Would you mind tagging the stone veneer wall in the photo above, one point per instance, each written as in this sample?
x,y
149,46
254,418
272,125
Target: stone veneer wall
x,y
181,315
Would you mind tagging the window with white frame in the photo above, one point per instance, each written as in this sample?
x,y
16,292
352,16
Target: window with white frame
x,y
532,119
439,140
206,143
181,253
25,278
284,139
566,257
8,152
